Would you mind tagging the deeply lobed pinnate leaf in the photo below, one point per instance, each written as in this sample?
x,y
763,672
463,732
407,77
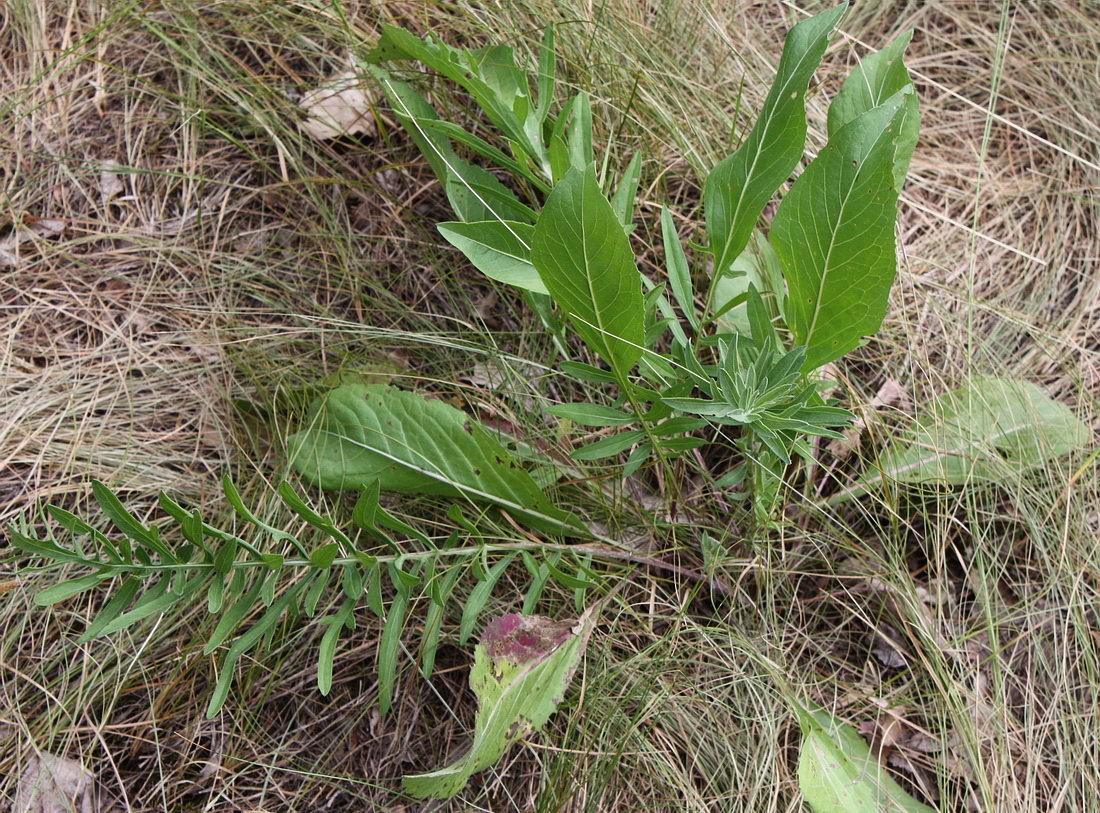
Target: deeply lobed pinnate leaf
x,y
522,667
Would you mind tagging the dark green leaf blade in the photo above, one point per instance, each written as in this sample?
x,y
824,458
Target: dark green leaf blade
x,y
875,79
834,234
584,258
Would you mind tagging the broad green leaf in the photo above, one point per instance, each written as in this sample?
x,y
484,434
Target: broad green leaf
x,y
522,667
584,258
412,110
477,195
500,250
592,414
579,134
359,433
837,772
834,234
739,187
986,431
496,64
874,80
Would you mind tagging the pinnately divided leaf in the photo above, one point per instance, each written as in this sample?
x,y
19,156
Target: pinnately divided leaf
x,y
583,256
360,433
739,187
834,234
522,667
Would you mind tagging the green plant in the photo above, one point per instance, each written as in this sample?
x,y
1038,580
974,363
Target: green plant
x,y
734,370
812,289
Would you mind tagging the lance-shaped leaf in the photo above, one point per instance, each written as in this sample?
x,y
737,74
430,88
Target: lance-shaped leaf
x,y
500,249
583,256
522,667
874,80
986,431
360,433
739,187
474,193
834,234
838,774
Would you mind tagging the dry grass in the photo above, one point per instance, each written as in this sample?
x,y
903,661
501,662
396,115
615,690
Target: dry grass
x,y
241,263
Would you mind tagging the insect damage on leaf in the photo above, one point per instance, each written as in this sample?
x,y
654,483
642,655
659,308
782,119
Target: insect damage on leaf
x,y
522,667
516,639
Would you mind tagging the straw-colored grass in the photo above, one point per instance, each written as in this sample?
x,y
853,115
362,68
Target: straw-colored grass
x,y
216,266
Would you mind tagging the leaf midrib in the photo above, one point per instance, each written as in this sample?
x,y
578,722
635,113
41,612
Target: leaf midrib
x,y
825,271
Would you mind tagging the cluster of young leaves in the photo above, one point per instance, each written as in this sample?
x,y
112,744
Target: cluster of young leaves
x,y
814,287
254,591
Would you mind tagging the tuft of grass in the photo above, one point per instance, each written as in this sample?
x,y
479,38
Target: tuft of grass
x,y
176,330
